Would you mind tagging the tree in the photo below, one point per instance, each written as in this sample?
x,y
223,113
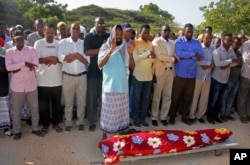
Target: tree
x,y
48,10
154,9
227,15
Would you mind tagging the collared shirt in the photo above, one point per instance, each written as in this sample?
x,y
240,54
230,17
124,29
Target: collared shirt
x,y
143,70
201,74
168,65
94,41
48,76
245,50
185,50
68,46
25,79
222,57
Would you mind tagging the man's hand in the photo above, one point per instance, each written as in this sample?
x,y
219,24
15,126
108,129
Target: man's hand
x,y
30,65
204,67
224,67
15,71
198,57
152,55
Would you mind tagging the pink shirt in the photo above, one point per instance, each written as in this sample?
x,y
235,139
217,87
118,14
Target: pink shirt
x,y
24,80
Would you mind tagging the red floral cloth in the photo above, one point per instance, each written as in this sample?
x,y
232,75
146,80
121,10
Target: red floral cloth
x,y
159,141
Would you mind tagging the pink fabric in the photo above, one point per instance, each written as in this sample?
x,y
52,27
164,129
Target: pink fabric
x,y
153,142
25,79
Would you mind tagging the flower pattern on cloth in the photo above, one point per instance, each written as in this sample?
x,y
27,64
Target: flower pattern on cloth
x,y
154,142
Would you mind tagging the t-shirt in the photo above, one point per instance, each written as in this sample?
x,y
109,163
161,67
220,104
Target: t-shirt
x,y
48,76
94,41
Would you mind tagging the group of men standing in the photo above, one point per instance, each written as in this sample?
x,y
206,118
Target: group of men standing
x,y
184,69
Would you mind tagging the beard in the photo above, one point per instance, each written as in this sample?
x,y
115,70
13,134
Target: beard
x,y
118,43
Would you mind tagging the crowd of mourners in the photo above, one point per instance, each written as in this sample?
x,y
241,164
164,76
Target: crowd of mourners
x,y
119,77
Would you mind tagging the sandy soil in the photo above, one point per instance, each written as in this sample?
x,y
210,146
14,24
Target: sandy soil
x,y
77,148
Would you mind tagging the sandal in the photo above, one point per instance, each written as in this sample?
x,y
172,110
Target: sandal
x,y
45,129
57,128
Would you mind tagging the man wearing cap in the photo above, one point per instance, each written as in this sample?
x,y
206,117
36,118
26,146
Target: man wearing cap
x,y
22,61
38,34
61,31
92,43
127,29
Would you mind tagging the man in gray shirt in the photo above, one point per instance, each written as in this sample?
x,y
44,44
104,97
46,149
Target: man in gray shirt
x,y
38,34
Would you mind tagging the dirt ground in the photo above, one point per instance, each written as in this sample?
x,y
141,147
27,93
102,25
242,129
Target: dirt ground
x,y
77,148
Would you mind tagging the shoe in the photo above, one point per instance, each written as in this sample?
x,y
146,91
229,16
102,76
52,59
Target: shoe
x,y
38,133
244,120
229,117
45,129
186,121
164,122
171,121
17,136
201,120
92,127
223,118
130,124
145,124
67,129
81,128
154,123
57,128
137,124
210,120
192,120
218,120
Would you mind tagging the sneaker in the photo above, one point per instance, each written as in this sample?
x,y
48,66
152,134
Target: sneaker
x,y
67,129
7,132
154,123
17,136
145,124
38,133
171,121
229,117
164,122
201,120
81,128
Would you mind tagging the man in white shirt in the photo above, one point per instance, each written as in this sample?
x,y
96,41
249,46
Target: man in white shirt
x,y
49,76
70,51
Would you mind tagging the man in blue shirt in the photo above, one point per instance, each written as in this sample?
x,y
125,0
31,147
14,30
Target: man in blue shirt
x,y
188,50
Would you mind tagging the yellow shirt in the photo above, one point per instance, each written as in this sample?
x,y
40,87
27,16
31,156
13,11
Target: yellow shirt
x,y
143,70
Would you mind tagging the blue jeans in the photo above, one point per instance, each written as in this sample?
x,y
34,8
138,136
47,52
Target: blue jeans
x,y
215,98
228,97
141,91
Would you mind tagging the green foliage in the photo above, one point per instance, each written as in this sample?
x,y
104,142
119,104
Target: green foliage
x,y
227,15
85,15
